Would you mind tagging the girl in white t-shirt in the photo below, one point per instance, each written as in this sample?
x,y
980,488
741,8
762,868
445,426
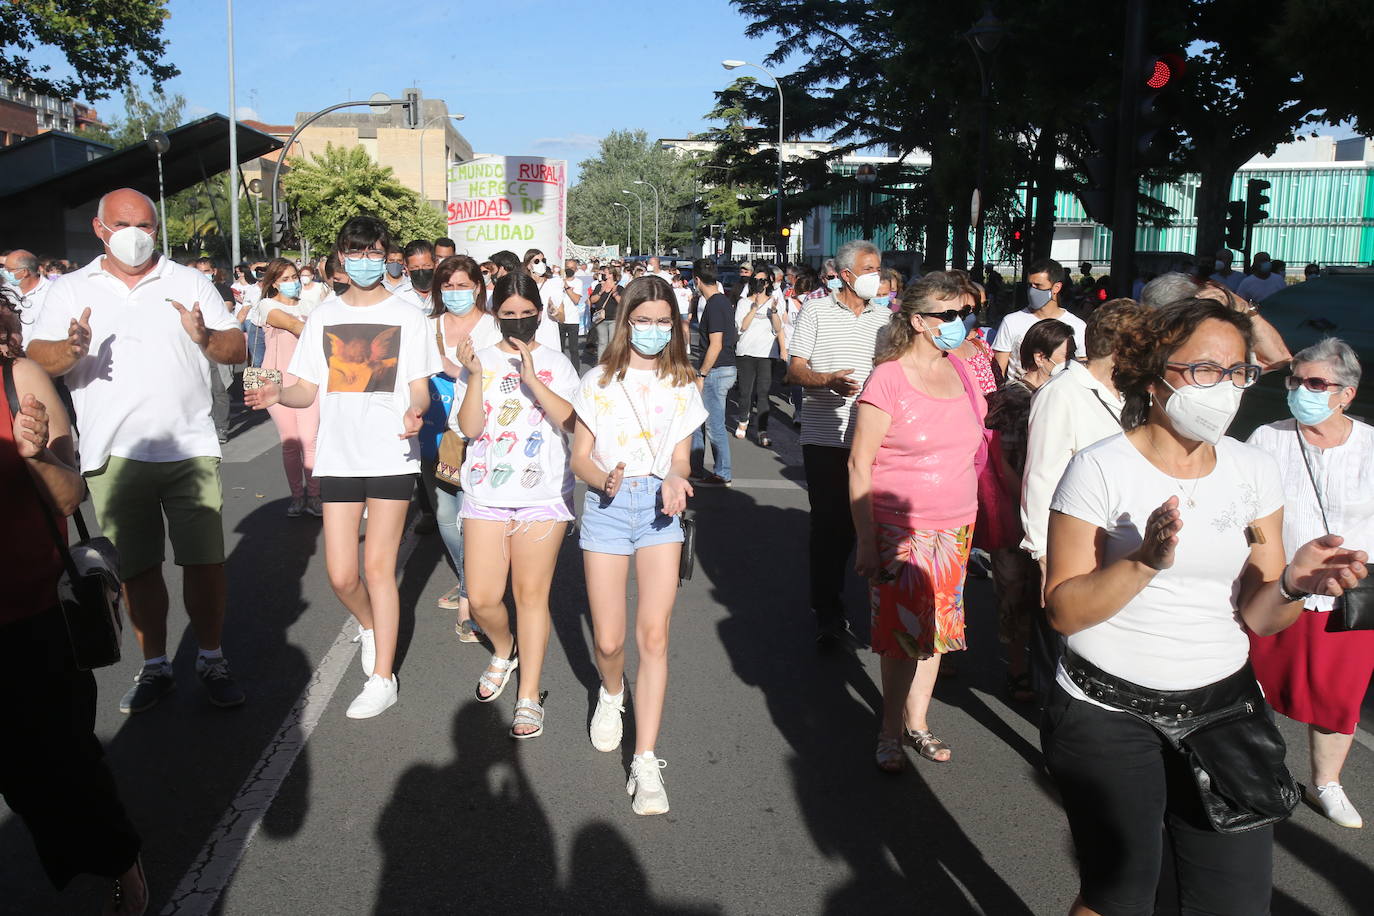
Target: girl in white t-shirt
x,y
281,315
368,356
636,412
760,330
517,490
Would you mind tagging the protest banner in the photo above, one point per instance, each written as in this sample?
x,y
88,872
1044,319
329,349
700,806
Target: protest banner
x,y
510,202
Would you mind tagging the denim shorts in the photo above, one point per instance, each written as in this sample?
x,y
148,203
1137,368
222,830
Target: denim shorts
x,y
631,520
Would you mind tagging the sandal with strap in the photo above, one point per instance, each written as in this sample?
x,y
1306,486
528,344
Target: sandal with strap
x,y
500,667
528,712
890,757
927,745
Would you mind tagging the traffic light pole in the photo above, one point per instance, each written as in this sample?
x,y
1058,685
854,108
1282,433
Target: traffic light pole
x,y
1126,183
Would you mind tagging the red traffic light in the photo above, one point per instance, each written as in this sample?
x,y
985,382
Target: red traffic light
x,y
1016,235
1101,295
1162,70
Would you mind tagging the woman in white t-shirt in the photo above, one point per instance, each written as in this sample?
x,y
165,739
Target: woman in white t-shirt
x,y
1165,545
368,356
760,329
281,315
552,289
636,412
517,490
312,293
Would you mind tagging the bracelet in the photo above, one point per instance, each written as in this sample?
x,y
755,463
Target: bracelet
x,y
1287,595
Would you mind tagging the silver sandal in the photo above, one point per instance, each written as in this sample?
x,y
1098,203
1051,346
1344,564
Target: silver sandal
x,y
503,668
927,745
528,712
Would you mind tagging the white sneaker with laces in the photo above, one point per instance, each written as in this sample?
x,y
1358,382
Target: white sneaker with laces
x,y
1330,800
367,650
379,695
607,726
646,784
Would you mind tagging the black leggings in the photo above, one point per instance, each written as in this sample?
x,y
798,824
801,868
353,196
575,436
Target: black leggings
x,y
1125,790
755,381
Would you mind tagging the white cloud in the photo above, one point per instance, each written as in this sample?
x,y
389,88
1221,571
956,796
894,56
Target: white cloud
x,y
248,114
571,140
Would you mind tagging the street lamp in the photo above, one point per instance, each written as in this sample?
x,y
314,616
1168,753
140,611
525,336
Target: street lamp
x,y
734,64
984,38
640,240
455,117
157,142
866,176
234,252
627,223
655,189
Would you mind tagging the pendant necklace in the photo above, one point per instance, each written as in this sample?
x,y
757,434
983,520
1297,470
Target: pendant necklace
x,y
1187,497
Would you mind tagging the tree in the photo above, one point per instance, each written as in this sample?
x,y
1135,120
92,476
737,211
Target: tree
x,y
158,112
344,182
105,42
624,157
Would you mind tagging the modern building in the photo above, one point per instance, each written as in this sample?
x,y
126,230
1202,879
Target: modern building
x,y
25,113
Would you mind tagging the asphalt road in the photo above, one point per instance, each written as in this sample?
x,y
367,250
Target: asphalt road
x,y
284,806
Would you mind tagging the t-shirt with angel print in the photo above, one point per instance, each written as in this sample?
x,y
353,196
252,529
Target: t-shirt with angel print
x,y
638,421
520,459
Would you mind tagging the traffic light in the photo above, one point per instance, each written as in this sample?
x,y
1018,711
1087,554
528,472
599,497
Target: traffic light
x,y
1098,198
1256,200
1159,77
1016,244
412,108
1235,224
785,232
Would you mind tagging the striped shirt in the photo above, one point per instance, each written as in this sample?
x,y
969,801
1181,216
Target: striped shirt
x,y
830,337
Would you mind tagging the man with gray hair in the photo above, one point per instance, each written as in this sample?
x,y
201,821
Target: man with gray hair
x,y
1270,350
21,272
1167,288
831,354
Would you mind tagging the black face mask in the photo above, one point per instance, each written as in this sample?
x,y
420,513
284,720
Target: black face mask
x,y
422,279
340,288
521,329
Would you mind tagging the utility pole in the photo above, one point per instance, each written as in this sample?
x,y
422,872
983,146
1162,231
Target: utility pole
x,y
1126,184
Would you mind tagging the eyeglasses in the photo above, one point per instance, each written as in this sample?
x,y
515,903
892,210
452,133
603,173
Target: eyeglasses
x,y
645,323
1207,375
1311,383
949,314
537,261
371,254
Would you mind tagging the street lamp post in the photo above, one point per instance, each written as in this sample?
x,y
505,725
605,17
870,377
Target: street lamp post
x,y
455,117
627,223
234,253
159,144
984,38
734,64
655,190
866,176
639,241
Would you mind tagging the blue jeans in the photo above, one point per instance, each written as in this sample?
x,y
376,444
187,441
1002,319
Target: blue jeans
x,y
713,391
257,343
448,502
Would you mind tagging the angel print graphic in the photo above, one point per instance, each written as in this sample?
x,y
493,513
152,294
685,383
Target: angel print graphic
x,y
362,357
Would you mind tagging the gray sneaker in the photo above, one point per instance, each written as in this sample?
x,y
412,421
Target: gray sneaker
x,y
150,685
219,683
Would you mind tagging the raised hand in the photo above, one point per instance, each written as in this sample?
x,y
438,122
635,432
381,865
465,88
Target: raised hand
x,y
614,479
193,322
413,420
31,427
263,397
675,492
527,373
841,383
1324,567
79,335
467,357
1160,537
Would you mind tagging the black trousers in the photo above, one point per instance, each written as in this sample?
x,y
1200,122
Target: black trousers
x,y
52,771
1125,789
832,527
567,340
755,381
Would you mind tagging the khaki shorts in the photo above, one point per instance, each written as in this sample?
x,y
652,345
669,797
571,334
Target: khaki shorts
x,y
131,497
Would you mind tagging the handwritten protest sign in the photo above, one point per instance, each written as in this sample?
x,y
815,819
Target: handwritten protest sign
x,y
511,202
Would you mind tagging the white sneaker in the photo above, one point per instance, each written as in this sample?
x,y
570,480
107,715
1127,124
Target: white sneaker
x,y
367,650
1330,800
606,724
379,695
646,784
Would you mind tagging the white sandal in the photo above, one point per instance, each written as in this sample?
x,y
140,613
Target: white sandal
x,y
528,712
503,668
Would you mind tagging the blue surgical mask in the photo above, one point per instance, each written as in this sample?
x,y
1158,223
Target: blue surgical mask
x,y
8,277
364,271
459,301
881,301
1309,407
951,335
394,269
834,284
1039,298
650,341
291,289
1264,267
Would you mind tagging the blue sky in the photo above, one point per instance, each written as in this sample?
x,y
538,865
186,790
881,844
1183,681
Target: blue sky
x,y
533,77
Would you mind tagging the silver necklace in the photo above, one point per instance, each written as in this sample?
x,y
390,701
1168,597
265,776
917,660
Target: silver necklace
x,y
1187,497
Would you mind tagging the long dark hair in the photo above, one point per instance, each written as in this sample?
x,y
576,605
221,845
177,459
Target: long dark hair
x,y
453,264
672,362
517,284
272,273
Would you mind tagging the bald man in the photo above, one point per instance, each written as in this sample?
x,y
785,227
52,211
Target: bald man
x,y
22,273
135,336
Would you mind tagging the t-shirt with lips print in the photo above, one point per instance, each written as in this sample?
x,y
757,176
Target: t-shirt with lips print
x,y
520,459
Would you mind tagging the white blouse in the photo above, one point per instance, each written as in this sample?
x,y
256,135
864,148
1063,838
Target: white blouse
x,y
1345,474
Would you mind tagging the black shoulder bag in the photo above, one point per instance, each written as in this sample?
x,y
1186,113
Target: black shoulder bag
x,y
88,592
1354,610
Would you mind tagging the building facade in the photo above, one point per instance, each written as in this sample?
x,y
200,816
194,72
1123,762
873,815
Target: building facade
x,y
25,113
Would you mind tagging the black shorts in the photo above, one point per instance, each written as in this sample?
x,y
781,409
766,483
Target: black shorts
x,y
360,489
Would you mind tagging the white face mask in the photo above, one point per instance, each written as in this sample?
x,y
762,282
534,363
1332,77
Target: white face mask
x,y
130,245
1203,414
539,268
866,285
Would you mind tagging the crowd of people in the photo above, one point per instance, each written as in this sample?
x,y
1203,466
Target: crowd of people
x,y
1151,573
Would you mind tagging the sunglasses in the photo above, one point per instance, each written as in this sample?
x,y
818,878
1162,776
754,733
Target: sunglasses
x,y
1311,383
949,314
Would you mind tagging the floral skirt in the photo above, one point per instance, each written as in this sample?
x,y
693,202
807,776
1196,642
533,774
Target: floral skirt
x,y
920,611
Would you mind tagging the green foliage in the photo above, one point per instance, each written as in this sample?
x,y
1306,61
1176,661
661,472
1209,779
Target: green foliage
x,y
344,182
105,42
158,112
624,156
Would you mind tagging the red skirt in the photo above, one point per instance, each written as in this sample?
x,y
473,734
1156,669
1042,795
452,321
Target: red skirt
x,y
1314,676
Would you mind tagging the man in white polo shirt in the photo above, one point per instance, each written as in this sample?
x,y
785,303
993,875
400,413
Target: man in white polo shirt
x,y
21,271
135,335
832,348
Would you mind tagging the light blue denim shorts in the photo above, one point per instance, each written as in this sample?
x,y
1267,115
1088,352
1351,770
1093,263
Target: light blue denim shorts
x,y
633,519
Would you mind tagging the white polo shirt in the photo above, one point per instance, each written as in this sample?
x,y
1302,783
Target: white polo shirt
x,y
143,389
830,338
30,304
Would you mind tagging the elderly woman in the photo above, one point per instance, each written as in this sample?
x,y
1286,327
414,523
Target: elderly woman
x,y
1165,549
1324,456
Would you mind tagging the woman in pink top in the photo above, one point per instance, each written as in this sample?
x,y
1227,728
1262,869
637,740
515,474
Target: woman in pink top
x,y
281,314
913,490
